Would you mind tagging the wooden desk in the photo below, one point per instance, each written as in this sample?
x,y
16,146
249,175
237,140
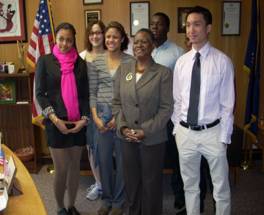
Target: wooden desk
x,y
29,202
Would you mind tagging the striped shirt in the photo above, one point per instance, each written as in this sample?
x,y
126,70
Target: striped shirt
x,y
101,80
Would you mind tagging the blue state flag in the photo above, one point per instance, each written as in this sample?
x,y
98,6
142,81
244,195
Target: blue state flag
x,y
251,66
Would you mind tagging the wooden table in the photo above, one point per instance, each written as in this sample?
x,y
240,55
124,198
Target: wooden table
x,y
29,202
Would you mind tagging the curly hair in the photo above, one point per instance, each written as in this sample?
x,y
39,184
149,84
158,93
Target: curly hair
x,y
121,30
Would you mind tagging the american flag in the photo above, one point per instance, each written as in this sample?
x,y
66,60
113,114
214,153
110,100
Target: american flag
x,y
42,38
41,41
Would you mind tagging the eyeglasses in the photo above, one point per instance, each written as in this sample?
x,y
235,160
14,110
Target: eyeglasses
x,y
96,33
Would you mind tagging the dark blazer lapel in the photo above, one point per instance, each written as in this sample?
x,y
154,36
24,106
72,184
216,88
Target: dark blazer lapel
x,y
147,75
57,71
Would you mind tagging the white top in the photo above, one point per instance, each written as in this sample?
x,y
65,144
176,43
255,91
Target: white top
x,y
83,54
112,72
217,95
167,54
138,76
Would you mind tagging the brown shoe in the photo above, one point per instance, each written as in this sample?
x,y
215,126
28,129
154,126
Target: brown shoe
x,y
116,211
103,211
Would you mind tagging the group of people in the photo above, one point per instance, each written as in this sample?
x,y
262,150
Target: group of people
x,y
131,109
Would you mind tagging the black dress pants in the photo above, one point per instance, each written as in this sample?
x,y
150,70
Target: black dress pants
x,y
143,166
172,156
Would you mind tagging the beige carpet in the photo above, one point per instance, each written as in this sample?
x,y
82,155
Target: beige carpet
x,y
247,195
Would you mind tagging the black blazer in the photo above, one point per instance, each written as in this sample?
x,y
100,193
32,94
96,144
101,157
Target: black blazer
x,y
48,85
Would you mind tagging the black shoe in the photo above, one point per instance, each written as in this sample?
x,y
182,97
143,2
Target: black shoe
x,y
201,206
214,206
180,208
62,211
73,211
179,204
182,212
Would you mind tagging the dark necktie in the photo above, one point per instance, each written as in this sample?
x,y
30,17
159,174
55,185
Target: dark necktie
x,y
192,117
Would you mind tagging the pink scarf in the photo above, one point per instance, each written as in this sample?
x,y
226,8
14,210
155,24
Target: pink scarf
x,y
68,83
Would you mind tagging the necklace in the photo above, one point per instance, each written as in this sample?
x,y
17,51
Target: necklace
x,y
141,70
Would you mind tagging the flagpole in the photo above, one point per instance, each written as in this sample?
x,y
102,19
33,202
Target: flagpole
x,y
251,67
51,20
50,168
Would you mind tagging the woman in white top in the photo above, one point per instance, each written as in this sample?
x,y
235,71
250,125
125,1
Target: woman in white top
x,y
94,43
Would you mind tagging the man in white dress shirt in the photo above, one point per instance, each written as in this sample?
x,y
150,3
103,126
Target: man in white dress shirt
x,y
203,118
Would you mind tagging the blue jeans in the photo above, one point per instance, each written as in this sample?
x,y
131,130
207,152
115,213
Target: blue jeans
x,y
91,136
104,112
109,145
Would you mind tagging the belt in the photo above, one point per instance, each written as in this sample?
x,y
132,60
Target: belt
x,y
199,127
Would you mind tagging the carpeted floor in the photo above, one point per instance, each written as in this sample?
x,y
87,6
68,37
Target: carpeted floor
x,y
247,194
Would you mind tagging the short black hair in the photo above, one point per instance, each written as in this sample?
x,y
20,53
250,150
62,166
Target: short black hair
x,y
204,11
67,26
149,32
165,17
119,27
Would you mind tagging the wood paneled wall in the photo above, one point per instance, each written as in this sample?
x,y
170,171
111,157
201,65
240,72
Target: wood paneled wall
x,y
73,11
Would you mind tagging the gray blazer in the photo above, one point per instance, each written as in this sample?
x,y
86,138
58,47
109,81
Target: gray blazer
x,y
147,104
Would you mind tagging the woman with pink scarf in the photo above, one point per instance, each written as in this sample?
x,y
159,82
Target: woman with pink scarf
x,y
62,92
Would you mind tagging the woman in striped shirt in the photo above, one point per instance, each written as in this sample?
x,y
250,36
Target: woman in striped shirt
x,y
94,42
101,94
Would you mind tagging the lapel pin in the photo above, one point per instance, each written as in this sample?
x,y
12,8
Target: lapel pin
x,y
129,76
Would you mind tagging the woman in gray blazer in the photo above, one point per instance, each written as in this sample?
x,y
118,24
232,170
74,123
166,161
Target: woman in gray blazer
x,y
142,106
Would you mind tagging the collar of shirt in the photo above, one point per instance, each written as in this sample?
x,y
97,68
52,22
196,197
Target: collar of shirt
x,y
203,51
163,46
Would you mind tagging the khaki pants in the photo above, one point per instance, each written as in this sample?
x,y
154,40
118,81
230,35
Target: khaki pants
x,y
191,145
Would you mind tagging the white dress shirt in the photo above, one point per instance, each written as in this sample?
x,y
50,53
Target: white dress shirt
x,y
216,91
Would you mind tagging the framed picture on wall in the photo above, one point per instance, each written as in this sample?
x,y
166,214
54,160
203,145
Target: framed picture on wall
x,y
7,91
182,13
92,16
139,16
92,2
231,18
12,21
